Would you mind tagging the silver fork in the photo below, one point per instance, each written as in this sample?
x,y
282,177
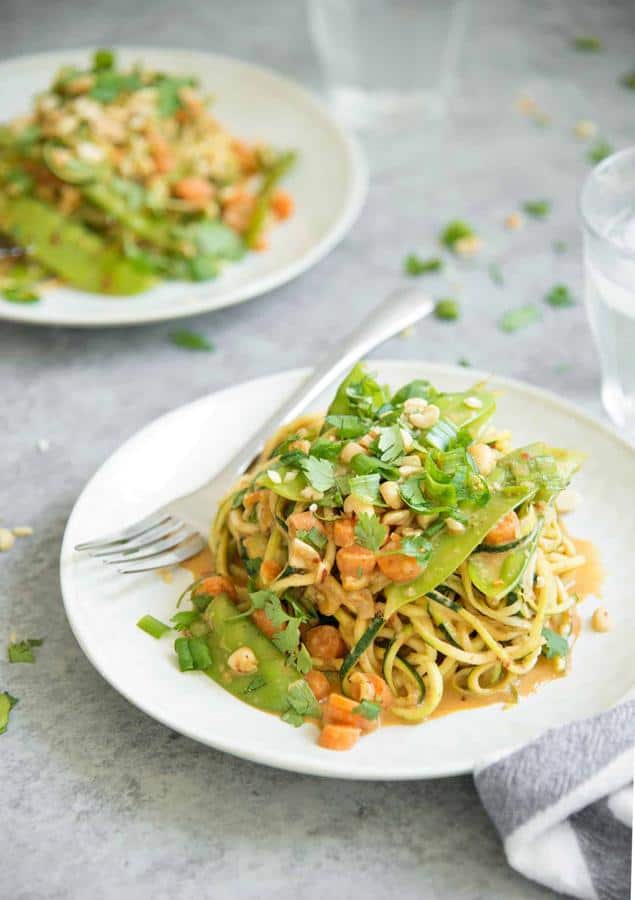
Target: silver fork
x,y
175,532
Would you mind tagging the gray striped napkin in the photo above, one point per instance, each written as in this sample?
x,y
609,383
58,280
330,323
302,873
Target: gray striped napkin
x,y
563,805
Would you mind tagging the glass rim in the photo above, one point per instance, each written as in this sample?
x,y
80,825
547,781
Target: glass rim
x,y
586,221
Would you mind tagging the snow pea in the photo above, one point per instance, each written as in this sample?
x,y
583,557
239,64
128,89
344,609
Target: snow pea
x,y
291,490
69,249
267,688
549,468
453,409
263,200
496,574
450,550
341,404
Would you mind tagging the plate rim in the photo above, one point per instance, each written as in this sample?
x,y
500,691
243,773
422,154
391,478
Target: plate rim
x,y
293,762
346,218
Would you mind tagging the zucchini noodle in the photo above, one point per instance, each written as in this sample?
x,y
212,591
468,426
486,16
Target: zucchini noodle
x,y
336,518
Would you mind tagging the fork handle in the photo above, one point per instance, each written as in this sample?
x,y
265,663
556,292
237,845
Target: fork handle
x,y
400,309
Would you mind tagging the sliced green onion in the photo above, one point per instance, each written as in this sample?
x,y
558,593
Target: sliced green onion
x,y
182,649
200,653
152,626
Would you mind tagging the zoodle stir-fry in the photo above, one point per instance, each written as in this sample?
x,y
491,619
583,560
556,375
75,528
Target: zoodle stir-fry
x,y
381,555
117,178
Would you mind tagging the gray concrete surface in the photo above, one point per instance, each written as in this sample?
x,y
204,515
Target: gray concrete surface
x,y
99,801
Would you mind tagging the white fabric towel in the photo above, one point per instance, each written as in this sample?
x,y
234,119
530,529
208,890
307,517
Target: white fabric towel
x,y
563,805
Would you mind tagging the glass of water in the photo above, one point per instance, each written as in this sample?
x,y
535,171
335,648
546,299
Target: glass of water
x,y
387,63
608,211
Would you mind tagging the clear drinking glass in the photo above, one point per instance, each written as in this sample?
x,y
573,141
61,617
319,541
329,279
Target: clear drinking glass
x,y
607,205
387,62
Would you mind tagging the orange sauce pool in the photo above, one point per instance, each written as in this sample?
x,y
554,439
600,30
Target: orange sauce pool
x,y
587,581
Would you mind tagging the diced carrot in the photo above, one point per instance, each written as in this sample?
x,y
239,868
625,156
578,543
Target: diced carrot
x,y
338,737
355,561
398,566
216,584
197,191
344,532
339,711
282,204
319,684
304,521
261,244
261,619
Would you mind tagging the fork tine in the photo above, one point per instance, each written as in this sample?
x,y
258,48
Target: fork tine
x,y
168,543
125,534
170,527
172,558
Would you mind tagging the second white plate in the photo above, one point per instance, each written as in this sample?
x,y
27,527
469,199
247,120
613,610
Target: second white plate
x,y
182,449
328,184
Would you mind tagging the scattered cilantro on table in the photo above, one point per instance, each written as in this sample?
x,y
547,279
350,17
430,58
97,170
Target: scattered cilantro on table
x,y
191,340
22,651
447,309
587,43
522,317
628,80
537,209
455,231
599,151
7,702
560,296
414,265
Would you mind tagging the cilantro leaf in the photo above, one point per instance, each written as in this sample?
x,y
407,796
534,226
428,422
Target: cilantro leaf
x,y
495,274
287,639
22,652
447,309
628,80
348,426
169,101
417,546
319,472
314,537
537,209
302,660
560,295
190,340
587,43
292,718
19,293
390,443
515,319
7,702
369,532
366,488
414,265
256,682
302,699
270,603
368,710
454,231
599,151
555,644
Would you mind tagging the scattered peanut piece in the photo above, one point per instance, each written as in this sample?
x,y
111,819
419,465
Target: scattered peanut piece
x,y
7,540
468,246
601,620
514,221
585,129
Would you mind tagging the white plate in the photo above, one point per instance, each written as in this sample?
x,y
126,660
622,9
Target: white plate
x,y
181,449
328,184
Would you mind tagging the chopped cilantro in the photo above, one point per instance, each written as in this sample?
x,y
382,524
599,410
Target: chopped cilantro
x,y
19,293
370,533
555,644
587,43
628,80
515,319
414,265
169,88
301,702
347,426
417,546
537,209
560,295
190,340
319,472
368,710
599,151
314,537
256,682
7,702
22,652
447,310
495,273
454,231
103,59
110,84
366,488
303,661
390,443
559,246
